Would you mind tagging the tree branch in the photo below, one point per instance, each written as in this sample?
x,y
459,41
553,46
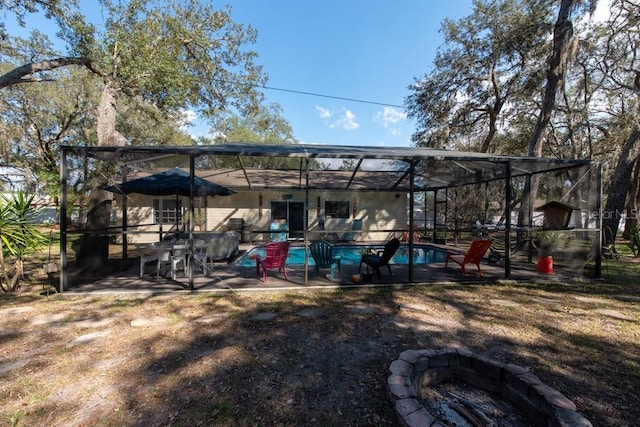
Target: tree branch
x,y
23,73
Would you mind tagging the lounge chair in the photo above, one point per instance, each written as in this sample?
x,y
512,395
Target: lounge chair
x,y
381,258
473,256
275,257
351,236
279,228
322,254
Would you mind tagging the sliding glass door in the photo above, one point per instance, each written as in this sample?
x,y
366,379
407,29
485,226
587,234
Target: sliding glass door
x,y
292,213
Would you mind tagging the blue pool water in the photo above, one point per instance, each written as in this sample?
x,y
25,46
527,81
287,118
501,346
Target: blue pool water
x,y
350,254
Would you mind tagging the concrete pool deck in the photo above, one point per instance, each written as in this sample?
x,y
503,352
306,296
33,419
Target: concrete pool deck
x,y
229,277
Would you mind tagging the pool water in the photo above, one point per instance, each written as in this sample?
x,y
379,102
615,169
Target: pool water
x,y
350,254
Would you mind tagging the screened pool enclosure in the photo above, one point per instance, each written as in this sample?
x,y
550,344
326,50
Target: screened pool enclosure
x,y
419,195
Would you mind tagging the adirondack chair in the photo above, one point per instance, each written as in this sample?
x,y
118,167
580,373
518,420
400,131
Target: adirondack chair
x,y
322,254
275,257
381,258
473,256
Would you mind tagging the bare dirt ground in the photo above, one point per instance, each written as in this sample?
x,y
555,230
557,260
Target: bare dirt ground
x,y
298,359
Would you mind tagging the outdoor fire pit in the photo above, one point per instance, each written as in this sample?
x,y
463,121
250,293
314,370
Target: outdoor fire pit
x,y
458,387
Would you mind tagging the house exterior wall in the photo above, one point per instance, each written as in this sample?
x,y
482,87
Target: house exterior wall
x,y
381,212
141,227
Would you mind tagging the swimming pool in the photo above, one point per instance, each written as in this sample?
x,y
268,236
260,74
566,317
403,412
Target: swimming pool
x,y
350,254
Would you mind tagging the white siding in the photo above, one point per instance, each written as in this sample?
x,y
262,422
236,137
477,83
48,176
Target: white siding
x,y
380,212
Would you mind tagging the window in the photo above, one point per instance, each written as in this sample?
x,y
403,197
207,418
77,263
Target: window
x,y
167,211
338,209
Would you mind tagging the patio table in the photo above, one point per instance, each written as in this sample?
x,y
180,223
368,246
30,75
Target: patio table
x,y
173,253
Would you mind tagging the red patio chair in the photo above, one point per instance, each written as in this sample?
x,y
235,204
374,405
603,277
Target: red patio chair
x,y
473,256
276,256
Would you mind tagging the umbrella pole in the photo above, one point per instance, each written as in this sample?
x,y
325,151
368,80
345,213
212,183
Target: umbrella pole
x,y
191,217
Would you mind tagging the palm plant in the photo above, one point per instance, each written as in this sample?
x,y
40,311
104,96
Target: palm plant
x,y
18,238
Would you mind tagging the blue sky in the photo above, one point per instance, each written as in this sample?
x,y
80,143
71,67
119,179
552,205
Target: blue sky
x,y
368,50
365,50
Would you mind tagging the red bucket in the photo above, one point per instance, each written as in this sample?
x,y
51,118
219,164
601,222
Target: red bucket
x,y
545,265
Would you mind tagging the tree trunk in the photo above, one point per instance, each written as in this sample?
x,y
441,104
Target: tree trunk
x,y
562,37
619,186
634,201
93,249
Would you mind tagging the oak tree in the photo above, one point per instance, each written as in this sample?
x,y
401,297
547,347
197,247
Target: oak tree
x,y
173,55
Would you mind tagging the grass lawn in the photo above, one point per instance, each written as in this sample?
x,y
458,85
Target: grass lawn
x,y
305,358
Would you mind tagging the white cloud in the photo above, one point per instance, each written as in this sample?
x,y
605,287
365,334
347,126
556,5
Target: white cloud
x,y
389,116
603,11
193,125
186,118
601,14
347,121
324,113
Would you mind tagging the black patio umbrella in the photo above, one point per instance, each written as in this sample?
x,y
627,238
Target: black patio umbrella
x,y
173,181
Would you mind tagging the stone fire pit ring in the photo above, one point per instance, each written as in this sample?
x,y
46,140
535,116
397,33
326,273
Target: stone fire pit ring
x,y
415,369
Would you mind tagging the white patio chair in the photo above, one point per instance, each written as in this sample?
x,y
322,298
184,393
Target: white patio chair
x,y
147,254
202,257
175,256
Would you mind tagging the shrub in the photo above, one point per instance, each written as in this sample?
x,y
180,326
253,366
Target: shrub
x,y
18,238
634,239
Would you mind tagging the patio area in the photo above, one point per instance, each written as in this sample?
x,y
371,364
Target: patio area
x,y
230,277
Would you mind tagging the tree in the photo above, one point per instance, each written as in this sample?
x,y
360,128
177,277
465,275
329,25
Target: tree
x,y
264,126
42,118
171,55
38,118
562,47
53,9
486,70
145,124
620,64
561,50
489,79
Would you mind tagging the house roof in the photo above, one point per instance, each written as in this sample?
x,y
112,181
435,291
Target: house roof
x,y
377,168
260,179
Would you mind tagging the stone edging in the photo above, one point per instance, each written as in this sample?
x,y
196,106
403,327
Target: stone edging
x,y
420,368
